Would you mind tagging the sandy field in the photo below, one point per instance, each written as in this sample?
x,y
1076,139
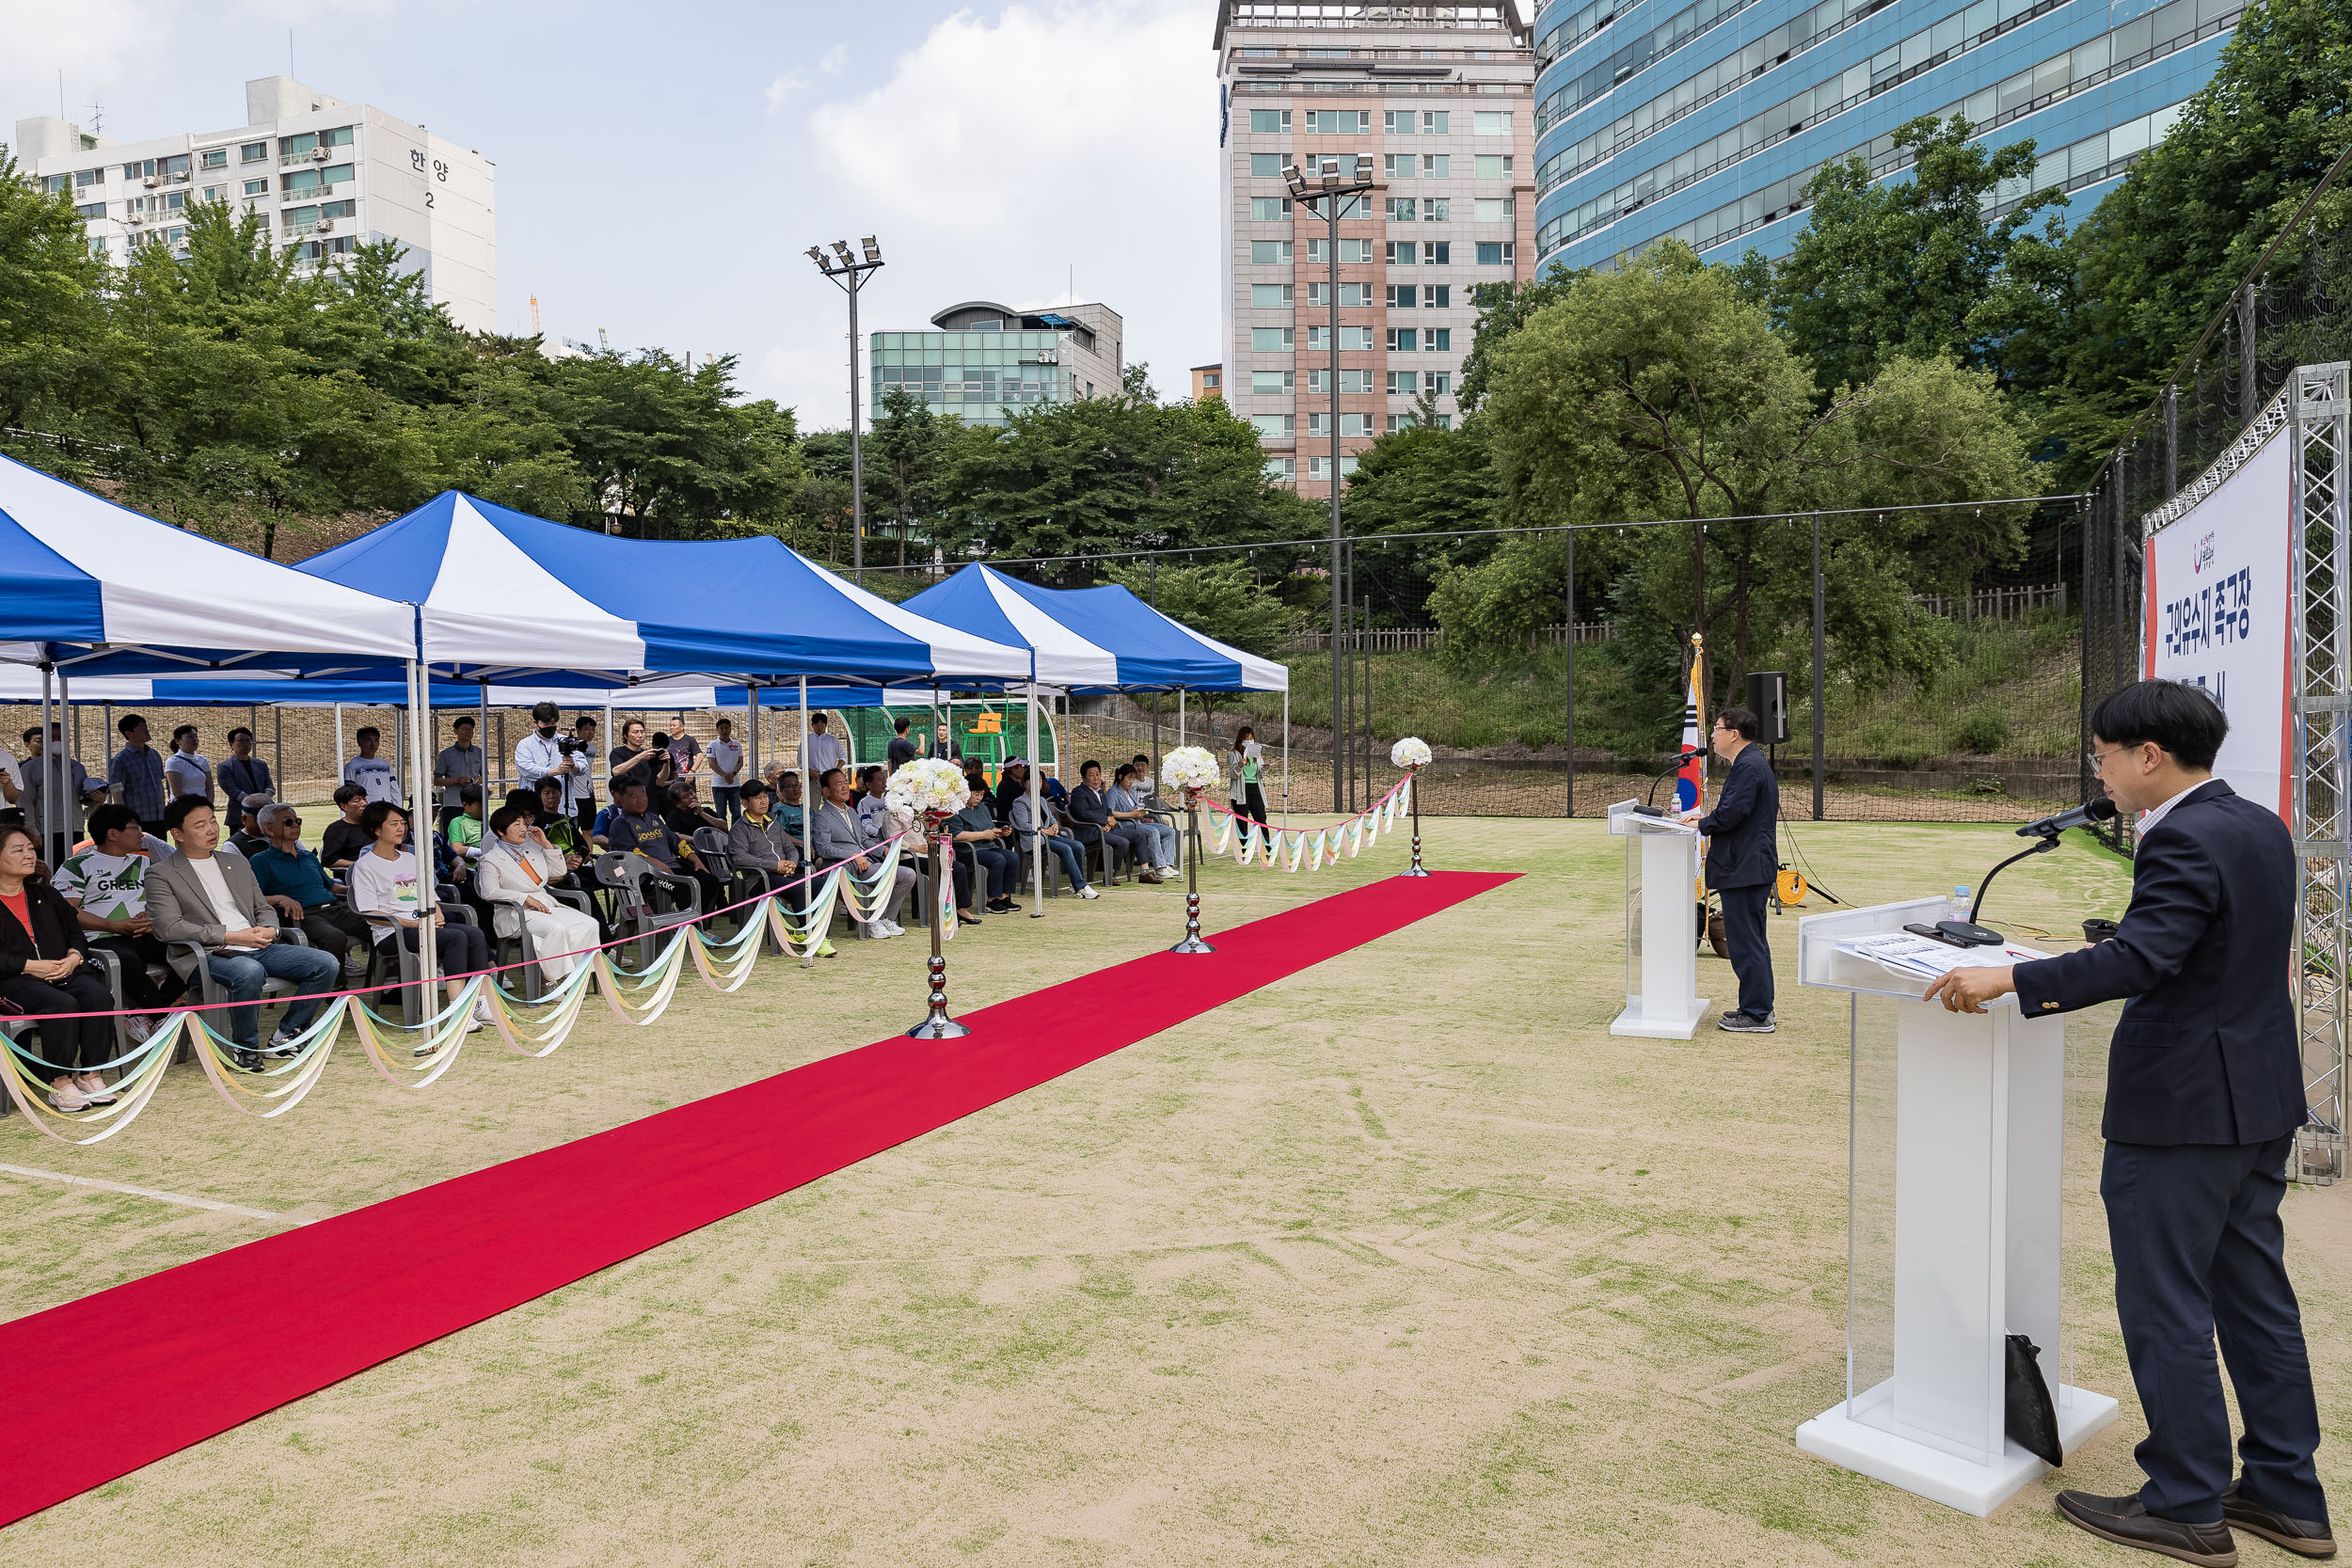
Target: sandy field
x,y
1403,1261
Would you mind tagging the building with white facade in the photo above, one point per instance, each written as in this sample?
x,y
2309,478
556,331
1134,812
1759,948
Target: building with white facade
x,y
1441,99
985,361
324,175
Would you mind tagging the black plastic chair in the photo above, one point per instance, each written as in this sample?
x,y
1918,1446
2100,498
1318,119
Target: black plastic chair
x,y
639,890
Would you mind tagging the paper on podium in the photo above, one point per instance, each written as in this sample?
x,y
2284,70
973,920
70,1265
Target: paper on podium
x,y
1918,958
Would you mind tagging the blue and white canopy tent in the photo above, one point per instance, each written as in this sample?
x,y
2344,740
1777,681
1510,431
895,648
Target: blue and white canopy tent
x,y
1102,639
96,590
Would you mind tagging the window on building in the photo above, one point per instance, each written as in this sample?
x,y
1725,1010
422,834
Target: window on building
x,y
1403,296
1437,166
1491,122
1439,340
1270,253
1356,207
1354,337
98,247
1269,297
1351,295
1397,122
1210,378
217,192
256,187
1283,469
301,183
1265,166
1271,384
1441,383
1401,208
1269,209
1270,340
175,200
1442,422
1434,122
82,178
1495,253
1339,122
212,157
1400,421
1437,296
1275,424
1397,166
1350,250
53,185
1401,340
1436,209
1320,468
90,210
1403,384
1493,165
1496,209
175,168
253,153
1402,253
1266,122
1436,253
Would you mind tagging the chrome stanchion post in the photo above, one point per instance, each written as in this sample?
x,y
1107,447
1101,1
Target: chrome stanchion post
x,y
1192,943
938,1026
1413,789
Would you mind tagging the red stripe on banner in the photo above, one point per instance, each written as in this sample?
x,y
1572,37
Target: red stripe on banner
x,y
97,1387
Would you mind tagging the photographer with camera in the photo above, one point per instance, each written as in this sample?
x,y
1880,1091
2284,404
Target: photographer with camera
x,y
544,754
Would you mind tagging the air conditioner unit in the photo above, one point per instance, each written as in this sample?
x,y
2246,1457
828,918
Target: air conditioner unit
x,y
134,217
151,182
319,154
183,177
326,225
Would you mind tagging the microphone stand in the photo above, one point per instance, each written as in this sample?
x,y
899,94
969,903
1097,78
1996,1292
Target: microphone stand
x,y
1967,932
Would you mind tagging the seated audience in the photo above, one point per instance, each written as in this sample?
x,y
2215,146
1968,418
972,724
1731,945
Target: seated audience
x,y
514,873
1091,821
296,883
873,800
841,839
345,840
200,896
248,840
980,841
1049,828
45,967
464,829
386,889
1155,839
106,882
630,826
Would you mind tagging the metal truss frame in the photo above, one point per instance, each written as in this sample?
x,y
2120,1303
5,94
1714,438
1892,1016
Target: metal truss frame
x,y
2319,487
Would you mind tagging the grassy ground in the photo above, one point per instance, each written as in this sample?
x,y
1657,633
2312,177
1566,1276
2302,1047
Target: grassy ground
x,y
1403,1261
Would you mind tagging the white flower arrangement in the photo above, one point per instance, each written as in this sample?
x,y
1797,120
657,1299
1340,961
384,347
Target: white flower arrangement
x,y
1190,768
1411,752
928,786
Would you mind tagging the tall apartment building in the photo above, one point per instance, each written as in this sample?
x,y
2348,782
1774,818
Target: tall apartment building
x,y
324,175
1441,99
987,361
1703,119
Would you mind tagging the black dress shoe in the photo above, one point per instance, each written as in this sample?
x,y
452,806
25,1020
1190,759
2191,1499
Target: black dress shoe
x,y
2304,1537
2128,1522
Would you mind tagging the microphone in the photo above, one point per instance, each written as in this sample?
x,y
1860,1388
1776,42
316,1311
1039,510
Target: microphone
x,y
2100,810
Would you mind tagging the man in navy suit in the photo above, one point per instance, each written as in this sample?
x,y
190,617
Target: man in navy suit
x,y
1740,864
2204,1093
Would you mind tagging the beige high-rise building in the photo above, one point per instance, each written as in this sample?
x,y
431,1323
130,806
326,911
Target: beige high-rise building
x,y
1441,99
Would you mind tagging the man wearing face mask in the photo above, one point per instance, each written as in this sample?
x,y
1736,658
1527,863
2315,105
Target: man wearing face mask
x,y
538,756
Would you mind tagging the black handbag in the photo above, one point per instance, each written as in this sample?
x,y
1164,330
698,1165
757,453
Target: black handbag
x,y
2028,1418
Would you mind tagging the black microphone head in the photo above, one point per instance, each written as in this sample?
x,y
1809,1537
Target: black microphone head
x,y
2099,809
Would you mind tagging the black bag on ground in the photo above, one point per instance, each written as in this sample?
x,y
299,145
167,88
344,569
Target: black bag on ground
x,y
2029,1419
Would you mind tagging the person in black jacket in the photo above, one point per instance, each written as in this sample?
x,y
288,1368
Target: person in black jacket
x,y
45,967
1091,822
1740,864
2204,1093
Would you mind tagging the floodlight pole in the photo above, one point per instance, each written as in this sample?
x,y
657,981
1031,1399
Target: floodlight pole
x,y
1333,190
850,274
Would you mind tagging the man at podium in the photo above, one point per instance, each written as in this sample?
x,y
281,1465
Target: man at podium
x,y
2204,1093
1740,864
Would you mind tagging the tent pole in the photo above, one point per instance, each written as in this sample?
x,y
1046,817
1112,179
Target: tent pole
x,y
481,739
808,821
606,736
1179,716
1037,823
277,746
46,826
421,834
1286,756
338,746
56,744
751,702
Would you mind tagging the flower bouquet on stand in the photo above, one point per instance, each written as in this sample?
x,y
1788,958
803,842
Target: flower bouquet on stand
x,y
1192,770
1412,754
931,791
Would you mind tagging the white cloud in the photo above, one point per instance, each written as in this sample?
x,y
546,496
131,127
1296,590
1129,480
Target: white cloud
x,y
92,41
1001,151
783,86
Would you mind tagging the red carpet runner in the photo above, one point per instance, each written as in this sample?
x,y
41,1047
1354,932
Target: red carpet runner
x,y
97,1387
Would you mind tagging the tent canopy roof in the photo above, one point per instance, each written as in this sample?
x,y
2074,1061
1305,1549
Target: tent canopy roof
x,y
1096,639
505,594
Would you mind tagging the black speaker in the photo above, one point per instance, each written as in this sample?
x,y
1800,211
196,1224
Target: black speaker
x,y
1768,698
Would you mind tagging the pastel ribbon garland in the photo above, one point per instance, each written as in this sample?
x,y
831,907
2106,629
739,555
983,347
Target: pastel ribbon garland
x,y
1315,846
415,1056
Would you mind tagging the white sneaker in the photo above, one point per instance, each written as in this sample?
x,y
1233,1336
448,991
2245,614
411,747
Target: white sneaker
x,y
481,1013
68,1097
895,930
139,1026
1089,892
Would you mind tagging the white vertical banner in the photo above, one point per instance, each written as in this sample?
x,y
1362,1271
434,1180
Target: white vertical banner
x,y
2221,597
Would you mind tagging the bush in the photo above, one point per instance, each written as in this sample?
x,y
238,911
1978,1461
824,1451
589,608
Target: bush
x,y
1985,731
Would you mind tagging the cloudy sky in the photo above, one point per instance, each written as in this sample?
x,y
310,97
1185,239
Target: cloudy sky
x,y
662,168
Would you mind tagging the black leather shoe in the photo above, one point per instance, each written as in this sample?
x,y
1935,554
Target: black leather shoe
x,y
2304,1537
2128,1522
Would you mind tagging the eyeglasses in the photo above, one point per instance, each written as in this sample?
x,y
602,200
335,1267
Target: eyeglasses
x,y
2098,758
291,821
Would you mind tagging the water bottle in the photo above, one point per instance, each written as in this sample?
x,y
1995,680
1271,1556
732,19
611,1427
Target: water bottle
x,y
1960,900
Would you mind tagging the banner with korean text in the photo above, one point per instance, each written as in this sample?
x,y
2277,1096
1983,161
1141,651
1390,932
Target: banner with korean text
x,y
2220,595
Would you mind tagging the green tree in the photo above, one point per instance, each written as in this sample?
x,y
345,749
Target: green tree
x,y
669,449
1906,266
1502,310
1222,599
1423,479
906,461
1656,392
55,342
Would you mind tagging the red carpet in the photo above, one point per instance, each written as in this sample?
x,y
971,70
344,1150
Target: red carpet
x,y
97,1387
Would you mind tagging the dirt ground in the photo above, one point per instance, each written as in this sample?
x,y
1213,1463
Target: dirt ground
x,y
1403,1261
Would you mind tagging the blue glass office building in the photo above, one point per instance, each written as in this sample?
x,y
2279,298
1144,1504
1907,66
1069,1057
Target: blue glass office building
x,y
1703,119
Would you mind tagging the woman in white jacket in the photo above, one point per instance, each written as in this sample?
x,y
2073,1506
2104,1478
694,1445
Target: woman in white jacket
x,y
515,867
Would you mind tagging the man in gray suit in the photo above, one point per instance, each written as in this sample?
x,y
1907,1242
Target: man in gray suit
x,y
200,896
841,838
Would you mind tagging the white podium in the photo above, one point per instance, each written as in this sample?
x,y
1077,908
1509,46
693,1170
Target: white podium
x,y
1661,927
1954,1180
